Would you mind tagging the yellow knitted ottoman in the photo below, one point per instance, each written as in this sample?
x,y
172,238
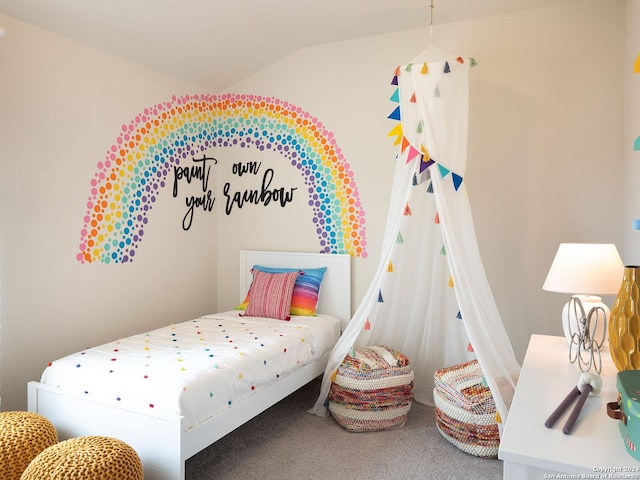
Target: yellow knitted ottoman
x,y
23,435
372,390
86,458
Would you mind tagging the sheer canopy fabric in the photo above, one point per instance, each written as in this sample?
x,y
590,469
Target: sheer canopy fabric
x,y
430,298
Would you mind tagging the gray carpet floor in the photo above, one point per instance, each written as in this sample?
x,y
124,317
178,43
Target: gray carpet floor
x,y
286,442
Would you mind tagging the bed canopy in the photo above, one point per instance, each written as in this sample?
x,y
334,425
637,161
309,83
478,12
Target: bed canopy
x,y
430,298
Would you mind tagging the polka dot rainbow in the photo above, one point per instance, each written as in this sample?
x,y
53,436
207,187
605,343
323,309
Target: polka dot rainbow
x,y
128,181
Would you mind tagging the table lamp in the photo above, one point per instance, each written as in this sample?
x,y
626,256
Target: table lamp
x,y
585,270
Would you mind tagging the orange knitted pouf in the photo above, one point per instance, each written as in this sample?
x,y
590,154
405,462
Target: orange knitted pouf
x,y
23,435
83,458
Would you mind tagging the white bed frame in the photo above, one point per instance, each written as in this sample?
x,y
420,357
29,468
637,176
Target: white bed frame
x,y
163,443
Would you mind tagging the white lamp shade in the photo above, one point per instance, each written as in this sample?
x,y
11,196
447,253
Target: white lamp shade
x,y
585,268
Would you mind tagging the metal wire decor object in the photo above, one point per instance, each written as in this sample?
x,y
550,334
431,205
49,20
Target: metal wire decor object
x,y
585,346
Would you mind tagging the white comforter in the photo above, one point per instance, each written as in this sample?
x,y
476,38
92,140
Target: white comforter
x,y
197,368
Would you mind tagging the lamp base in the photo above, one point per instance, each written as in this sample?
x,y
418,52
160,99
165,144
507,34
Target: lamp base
x,y
585,316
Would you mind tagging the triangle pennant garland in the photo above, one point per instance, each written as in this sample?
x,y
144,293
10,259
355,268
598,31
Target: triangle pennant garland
x,y
411,153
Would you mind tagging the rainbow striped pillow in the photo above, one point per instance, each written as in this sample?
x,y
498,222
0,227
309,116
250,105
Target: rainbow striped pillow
x,y
304,300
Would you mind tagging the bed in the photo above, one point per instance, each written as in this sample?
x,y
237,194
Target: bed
x,y
166,428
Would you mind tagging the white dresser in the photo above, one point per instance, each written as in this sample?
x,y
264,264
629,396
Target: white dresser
x,y
594,449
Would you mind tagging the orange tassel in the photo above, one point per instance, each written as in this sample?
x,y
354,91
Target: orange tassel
x,y
367,325
436,220
407,210
460,60
469,347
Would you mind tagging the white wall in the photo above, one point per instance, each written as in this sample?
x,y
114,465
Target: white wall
x,y
631,132
62,106
546,127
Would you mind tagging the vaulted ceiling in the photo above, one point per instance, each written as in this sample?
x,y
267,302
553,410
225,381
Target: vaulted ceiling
x,y
215,43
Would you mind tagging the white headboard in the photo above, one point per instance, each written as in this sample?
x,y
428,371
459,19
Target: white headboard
x,y
335,291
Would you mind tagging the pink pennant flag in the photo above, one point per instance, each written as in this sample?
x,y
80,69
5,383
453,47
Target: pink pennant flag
x,y
413,152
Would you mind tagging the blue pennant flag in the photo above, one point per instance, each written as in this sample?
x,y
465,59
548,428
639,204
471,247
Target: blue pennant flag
x,y
395,115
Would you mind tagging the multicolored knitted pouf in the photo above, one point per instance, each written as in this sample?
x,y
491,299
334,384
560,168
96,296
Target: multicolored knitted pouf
x,y
84,458
23,435
465,410
372,390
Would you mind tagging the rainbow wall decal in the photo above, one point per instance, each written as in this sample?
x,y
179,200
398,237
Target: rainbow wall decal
x,y
128,182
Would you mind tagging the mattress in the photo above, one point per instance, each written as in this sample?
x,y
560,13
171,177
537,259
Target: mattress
x,y
195,369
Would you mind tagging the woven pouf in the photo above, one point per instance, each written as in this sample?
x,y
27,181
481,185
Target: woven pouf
x,y
23,435
372,390
86,458
465,411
